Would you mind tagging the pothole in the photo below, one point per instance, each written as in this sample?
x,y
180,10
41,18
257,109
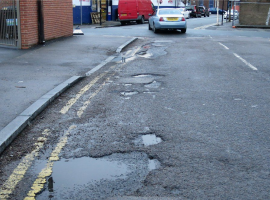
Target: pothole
x,y
147,140
163,41
129,93
98,178
147,76
153,85
153,164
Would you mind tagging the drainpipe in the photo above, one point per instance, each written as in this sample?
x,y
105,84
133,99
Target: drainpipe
x,y
41,39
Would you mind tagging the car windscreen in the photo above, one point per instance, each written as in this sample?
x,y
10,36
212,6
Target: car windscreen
x,y
169,12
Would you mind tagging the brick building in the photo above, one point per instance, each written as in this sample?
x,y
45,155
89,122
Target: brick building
x,y
25,23
255,12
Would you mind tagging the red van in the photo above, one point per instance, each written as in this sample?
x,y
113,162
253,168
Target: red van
x,y
134,10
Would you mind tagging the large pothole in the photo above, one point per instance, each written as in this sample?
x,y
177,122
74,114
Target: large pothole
x,y
98,178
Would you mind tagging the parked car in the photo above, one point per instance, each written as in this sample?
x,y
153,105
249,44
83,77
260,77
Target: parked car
x,y
185,12
167,19
134,10
204,11
235,16
194,11
214,11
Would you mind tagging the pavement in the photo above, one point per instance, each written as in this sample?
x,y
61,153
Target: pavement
x,y
31,79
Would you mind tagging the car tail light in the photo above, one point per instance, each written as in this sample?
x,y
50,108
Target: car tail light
x,y
183,19
161,19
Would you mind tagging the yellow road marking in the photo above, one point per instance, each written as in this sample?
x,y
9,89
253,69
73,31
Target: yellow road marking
x,y
38,185
70,103
86,103
19,172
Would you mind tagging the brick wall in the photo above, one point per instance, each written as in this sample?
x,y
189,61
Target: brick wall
x,y
29,23
5,3
254,12
58,20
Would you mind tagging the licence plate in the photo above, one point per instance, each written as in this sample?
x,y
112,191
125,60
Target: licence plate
x,y
172,18
123,14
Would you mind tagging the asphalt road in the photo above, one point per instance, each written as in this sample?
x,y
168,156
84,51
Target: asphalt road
x,y
174,116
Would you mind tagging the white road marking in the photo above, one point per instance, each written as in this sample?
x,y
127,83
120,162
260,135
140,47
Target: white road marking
x,y
223,45
247,63
204,27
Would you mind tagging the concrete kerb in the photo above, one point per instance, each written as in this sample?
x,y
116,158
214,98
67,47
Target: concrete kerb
x,y
15,127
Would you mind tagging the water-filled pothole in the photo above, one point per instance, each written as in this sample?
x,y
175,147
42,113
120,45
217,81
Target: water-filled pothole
x,y
129,93
147,140
98,178
147,75
153,85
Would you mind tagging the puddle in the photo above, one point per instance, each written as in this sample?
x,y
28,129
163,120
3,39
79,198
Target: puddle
x,y
98,178
147,140
129,93
128,84
84,170
158,45
163,41
153,164
147,76
153,85
154,52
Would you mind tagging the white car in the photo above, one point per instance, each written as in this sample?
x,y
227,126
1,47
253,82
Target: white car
x,y
185,12
235,16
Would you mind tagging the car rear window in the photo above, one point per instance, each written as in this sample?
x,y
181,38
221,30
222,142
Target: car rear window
x,y
169,12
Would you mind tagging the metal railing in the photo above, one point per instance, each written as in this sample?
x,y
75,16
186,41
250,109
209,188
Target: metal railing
x,y
8,23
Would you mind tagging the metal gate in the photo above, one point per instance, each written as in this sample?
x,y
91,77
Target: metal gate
x,y
9,21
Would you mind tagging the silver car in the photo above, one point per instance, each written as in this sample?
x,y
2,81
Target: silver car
x,y
167,19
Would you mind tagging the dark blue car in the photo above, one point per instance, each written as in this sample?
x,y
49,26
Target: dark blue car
x,y
214,11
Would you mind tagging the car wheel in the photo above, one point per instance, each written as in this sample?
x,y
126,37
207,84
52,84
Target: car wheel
x,y
149,27
154,29
204,15
183,30
123,23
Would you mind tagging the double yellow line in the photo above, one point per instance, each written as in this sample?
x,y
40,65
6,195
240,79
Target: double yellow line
x,y
19,172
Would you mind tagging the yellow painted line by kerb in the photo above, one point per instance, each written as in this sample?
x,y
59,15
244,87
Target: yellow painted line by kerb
x,y
72,101
38,184
86,103
18,173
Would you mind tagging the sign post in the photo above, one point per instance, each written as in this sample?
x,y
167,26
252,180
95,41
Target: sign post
x,y
234,10
159,2
81,11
